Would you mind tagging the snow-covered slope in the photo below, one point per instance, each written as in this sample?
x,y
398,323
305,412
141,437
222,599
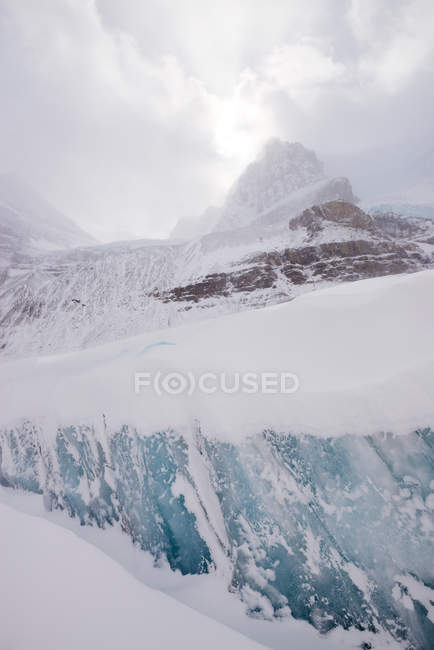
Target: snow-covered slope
x,y
29,224
284,230
58,592
285,179
363,353
191,228
331,528
78,298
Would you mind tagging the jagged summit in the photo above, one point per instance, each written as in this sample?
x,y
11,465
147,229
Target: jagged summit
x,y
285,173
104,293
284,179
290,154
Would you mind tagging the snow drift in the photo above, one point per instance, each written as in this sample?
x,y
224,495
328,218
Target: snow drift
x,y
363,353
272,492
67,594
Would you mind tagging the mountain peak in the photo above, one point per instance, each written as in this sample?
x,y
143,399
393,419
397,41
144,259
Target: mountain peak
x,y
281,169
28,222
289,157
275,149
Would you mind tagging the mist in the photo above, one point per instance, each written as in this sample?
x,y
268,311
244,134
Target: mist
x,y
129,116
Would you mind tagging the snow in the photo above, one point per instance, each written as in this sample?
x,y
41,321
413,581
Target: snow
x,y
117,284
82,587
281,169
190,228
414,591
60,592
29,222
363,353
126,288
360,579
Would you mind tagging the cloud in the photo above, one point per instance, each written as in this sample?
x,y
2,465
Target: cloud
x,y
397,40
300,67
129,115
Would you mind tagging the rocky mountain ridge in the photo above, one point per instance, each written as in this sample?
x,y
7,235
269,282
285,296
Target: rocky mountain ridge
x,y
332,241
285,179
292,241
74,299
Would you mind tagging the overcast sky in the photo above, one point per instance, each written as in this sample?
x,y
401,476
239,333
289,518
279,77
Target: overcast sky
x,y
129,114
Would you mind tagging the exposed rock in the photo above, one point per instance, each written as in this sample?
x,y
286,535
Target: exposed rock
x,y
128,287
373,253
316,218
334,189
347,260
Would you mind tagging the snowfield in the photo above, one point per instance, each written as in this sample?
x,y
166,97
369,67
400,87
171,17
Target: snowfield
x,y
63,593
363,353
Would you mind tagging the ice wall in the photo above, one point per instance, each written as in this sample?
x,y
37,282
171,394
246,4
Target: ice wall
x,y
336,531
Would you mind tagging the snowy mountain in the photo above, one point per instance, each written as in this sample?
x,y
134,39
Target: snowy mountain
x,y
29,225
311,507
301,232
285,179
285,175
314,506
74,299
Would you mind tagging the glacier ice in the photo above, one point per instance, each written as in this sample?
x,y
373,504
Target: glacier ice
x,y
335,531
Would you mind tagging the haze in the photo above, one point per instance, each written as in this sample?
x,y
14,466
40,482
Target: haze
x,y
130,115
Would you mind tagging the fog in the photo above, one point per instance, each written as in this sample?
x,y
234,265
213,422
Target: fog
x,y
130,115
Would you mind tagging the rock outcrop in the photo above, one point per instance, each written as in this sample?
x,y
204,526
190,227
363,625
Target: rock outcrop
x,y
70,299
340,242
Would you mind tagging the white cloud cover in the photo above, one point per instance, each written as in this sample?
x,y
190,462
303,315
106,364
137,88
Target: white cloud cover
x,y
129,115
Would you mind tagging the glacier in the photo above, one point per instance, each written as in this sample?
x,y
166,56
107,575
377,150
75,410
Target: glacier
x,y
327,530
109,608
315,507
